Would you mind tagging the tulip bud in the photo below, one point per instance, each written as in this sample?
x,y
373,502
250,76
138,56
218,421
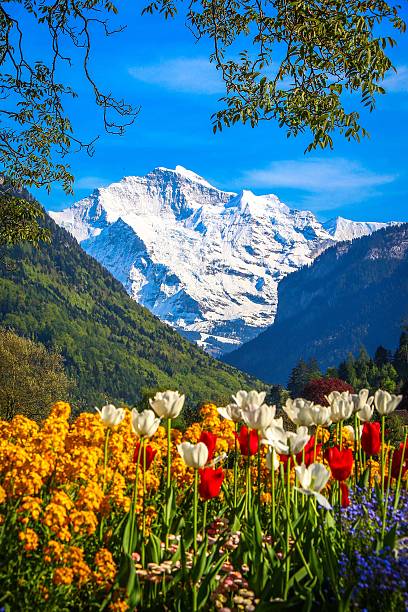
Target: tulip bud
x,y
371,438
259,418
249,400
145,423
167,405
193,455
232,412
110,415
385,402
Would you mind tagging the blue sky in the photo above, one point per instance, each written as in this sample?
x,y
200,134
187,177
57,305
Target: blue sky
x,y
158,65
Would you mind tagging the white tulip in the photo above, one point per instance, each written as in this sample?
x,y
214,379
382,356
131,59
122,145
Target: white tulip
x,y
337,395
193,455
249,400
275,423
272,459
297,440
349,430
145,423
286,442
259,418
320,415
341,409
232,412
385,402
298,411
276,437
365,413
110,415
312,480
361,399
167,405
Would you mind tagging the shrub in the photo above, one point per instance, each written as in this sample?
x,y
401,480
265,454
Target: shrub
x,y
317,389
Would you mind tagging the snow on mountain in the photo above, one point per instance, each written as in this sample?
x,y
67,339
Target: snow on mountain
x,y
344,229
206,261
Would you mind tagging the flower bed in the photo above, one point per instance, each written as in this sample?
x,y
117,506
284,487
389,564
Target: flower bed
x,y
116,511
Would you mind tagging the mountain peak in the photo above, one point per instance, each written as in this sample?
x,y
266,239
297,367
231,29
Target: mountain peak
x,y
206,261
187,174
345,229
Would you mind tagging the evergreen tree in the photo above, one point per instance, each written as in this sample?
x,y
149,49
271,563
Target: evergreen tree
x,y
301,374
401,355
382,356
347,371
314,368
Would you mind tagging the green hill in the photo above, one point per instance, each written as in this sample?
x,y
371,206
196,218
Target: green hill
x,y
113,348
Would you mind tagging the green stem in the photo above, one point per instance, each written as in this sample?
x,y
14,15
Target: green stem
x,y
168,453
273,510
205,517
341,433
382,454
258,484
105,467
235,466
134,497
398,485
195,509
144,505
387,496
287,573
356,439
105,459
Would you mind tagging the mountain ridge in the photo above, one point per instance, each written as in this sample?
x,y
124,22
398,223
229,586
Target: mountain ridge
x,y
206,261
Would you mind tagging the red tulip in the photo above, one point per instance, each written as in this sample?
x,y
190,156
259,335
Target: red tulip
x,y
248,442
150,454
340,462
398,458
310,456
371,438
344,495
210,440
210,482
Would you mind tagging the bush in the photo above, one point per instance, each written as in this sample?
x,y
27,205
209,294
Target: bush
x,y
317,389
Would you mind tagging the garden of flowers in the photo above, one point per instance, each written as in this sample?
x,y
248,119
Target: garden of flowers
x,y
250,508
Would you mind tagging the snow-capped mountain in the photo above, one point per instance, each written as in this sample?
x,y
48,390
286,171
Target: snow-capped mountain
x,y
206,261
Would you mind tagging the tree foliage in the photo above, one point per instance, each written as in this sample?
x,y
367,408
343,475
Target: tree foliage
x,y
31,377
295,61
36,132
287,60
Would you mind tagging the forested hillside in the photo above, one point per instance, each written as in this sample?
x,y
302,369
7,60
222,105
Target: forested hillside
x,y
354,294
113,348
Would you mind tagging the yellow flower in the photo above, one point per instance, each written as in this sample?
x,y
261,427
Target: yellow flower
x,y
63,576
60,410
3,495
105,567
30,539
119,605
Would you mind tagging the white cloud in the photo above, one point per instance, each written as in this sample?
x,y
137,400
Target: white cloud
x,y
397,82
187,75
90,182
325,183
